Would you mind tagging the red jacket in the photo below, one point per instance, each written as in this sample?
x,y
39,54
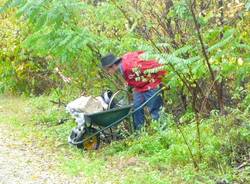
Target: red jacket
x,y
134,72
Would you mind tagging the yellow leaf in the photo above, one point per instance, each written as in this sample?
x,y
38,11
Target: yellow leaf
x,y
240,61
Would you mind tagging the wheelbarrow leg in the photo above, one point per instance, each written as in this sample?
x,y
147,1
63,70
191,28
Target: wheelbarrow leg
x,y
130,125
107,136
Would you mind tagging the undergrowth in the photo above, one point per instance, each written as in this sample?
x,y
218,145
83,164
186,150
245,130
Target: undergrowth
x,y
159,154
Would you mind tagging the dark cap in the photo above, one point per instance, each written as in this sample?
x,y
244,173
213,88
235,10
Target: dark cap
x,y
109,60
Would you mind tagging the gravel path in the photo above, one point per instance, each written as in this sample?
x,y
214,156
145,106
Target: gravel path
x,y
25,164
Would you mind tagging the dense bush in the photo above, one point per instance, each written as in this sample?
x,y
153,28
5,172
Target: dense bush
x,y
203,45
224,146
20,70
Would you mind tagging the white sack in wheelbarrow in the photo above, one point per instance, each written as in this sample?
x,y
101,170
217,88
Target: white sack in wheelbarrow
x,y
86,104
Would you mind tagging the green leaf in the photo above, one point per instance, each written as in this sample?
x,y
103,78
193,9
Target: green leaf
x,y
228,36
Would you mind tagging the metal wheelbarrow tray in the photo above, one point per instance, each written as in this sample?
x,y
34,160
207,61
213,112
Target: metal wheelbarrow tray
x,y
106,118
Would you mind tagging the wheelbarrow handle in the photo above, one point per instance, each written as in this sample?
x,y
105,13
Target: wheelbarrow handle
x,y
145,103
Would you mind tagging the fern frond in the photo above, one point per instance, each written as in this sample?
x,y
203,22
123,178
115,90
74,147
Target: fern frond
x,y
243,46
170,58
182,50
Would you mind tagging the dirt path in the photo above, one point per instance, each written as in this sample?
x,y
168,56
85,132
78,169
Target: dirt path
x,y
25,164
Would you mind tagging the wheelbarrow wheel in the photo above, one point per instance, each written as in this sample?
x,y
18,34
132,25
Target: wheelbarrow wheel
x,y
92,143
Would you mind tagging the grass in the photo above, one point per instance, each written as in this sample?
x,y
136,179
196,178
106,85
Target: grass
x,y
156,156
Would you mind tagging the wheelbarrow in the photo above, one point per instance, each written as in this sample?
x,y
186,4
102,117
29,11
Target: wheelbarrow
x,y
96,124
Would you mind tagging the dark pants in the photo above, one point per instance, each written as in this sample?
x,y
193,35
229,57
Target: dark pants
x,y
153,106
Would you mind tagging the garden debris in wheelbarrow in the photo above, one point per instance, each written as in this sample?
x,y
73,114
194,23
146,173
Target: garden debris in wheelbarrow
x,y
85,105
86,109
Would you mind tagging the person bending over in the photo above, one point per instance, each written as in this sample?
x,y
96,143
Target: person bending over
x,y
144,82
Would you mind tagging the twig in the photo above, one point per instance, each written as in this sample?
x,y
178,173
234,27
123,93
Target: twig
x,y
206,97
59,103
64,78
244,164
189,149
205,54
